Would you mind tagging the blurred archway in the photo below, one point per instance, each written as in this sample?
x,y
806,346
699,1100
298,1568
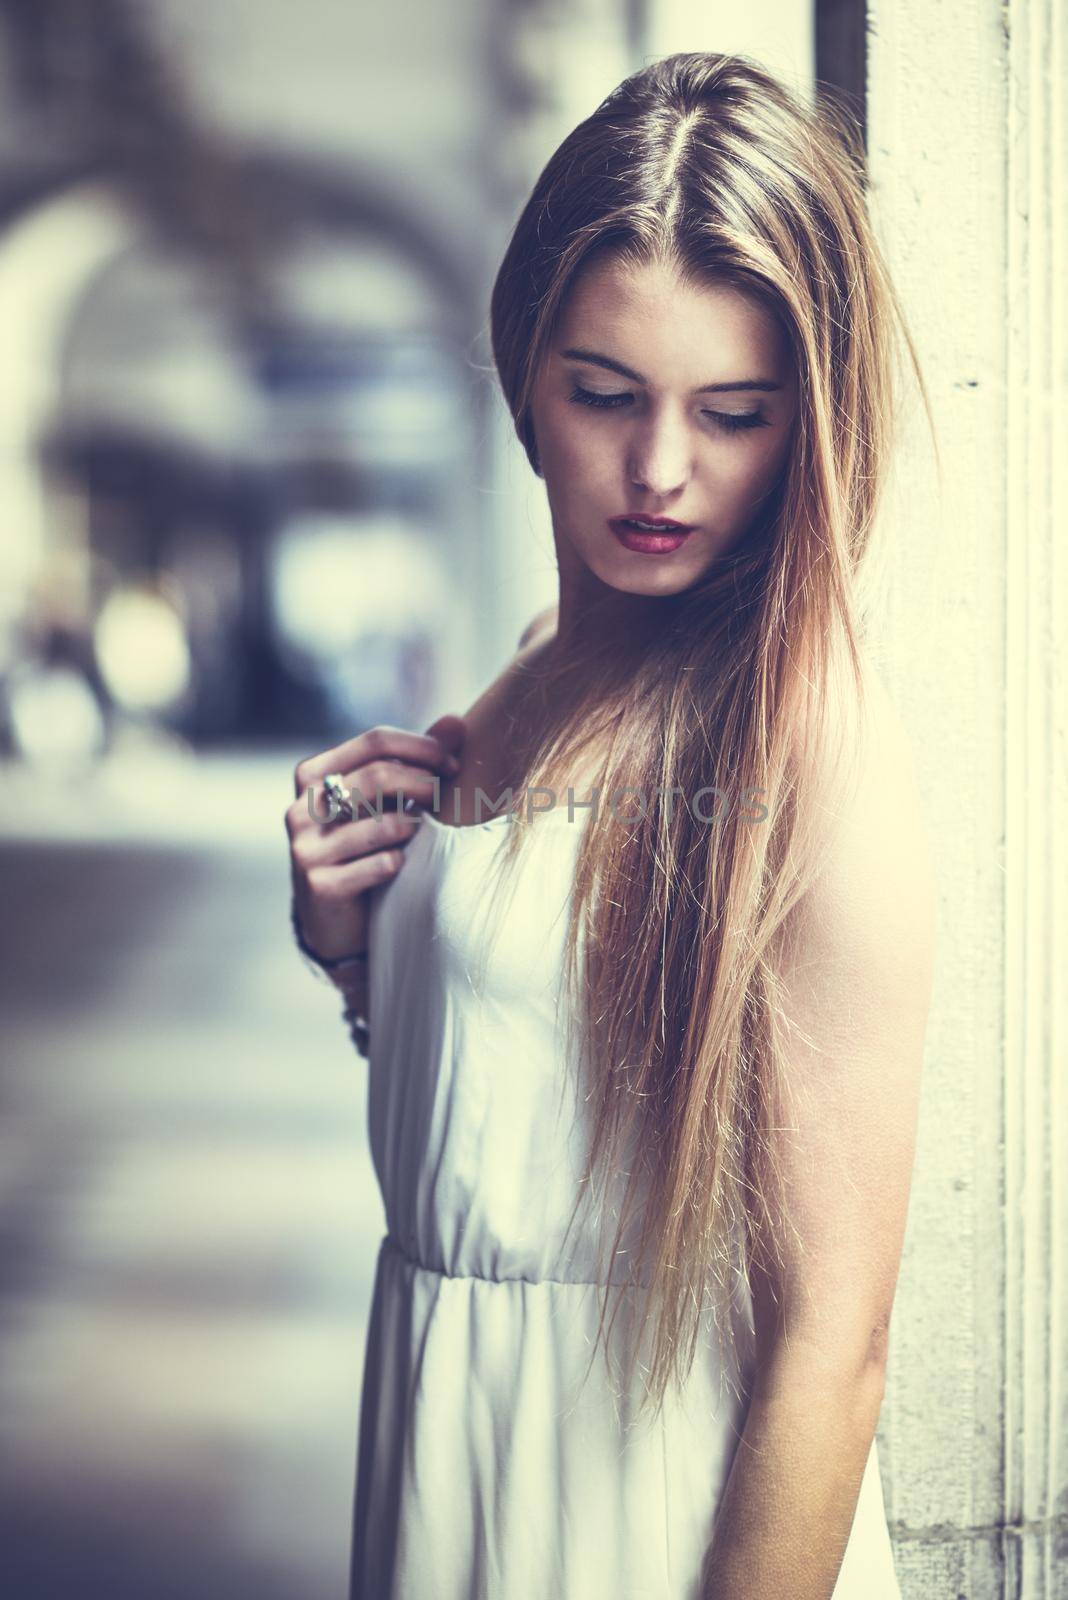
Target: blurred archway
x,y
191,439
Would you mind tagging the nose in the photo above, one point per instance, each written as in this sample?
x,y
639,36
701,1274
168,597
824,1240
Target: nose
x,y
659,461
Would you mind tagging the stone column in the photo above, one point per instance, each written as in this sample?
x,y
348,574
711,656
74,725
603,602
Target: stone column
x,y
967,144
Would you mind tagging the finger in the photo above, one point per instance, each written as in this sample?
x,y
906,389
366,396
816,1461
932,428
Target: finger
x,y
349,841
330,901
382,786
339,885
449,730
375,744
381,789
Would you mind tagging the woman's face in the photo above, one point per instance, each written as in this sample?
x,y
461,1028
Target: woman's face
x,y
663,398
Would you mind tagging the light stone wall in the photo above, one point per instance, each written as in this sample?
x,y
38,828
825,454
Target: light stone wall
x,y
967,144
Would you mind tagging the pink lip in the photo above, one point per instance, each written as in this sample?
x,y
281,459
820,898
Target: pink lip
x,y
669,535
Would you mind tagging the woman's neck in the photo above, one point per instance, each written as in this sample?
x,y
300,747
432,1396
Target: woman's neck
x,y
601,624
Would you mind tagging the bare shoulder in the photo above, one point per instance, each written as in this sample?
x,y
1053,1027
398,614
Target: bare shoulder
x,y
872,910
482,714
538,627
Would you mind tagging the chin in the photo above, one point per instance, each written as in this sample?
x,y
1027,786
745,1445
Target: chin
x,y
660,578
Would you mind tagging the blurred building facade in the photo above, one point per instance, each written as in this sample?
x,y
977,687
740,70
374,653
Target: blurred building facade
x,y
245,272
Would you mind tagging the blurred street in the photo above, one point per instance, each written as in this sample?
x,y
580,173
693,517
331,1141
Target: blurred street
x,y
188,1211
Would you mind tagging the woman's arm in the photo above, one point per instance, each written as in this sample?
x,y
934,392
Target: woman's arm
x,y
857,963
790,1499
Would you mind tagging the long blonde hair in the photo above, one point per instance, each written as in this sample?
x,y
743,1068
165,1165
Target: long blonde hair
x,y
707,162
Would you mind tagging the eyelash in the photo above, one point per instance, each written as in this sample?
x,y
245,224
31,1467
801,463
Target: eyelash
x,y
723,419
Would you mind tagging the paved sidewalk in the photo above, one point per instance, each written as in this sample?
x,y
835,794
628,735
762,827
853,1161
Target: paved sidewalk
x,y
188,1212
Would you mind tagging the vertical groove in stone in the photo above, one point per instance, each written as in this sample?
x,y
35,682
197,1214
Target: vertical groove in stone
x,y
1036,1039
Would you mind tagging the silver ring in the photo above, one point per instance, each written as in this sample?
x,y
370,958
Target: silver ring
x,y
336,793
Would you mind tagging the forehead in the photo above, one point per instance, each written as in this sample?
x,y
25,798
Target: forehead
x,y
670,328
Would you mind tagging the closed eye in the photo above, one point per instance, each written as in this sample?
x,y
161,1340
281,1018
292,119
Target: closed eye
x,y
729,421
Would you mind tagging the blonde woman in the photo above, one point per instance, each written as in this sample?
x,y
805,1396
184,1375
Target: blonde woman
x,y
645,943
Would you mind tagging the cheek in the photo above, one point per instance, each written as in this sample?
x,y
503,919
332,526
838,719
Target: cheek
x,y
751,467
575,454
737,478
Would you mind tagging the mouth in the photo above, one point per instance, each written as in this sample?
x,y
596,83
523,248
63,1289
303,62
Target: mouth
x,y
649,524
650,535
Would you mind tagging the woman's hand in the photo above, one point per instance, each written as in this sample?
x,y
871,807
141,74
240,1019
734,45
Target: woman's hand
x,y
334,865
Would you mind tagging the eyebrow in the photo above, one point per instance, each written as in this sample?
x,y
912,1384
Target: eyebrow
x,y
592,359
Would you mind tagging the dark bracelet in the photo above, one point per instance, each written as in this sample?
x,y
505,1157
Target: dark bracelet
x,y
327,963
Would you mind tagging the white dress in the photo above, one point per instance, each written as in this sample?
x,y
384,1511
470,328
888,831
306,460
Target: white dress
x,y
486,1468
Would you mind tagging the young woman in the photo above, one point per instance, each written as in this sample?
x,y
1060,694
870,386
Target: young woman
x,y
674,1076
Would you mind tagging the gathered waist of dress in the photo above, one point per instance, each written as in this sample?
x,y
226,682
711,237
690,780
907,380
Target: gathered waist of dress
x,y
391,1245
